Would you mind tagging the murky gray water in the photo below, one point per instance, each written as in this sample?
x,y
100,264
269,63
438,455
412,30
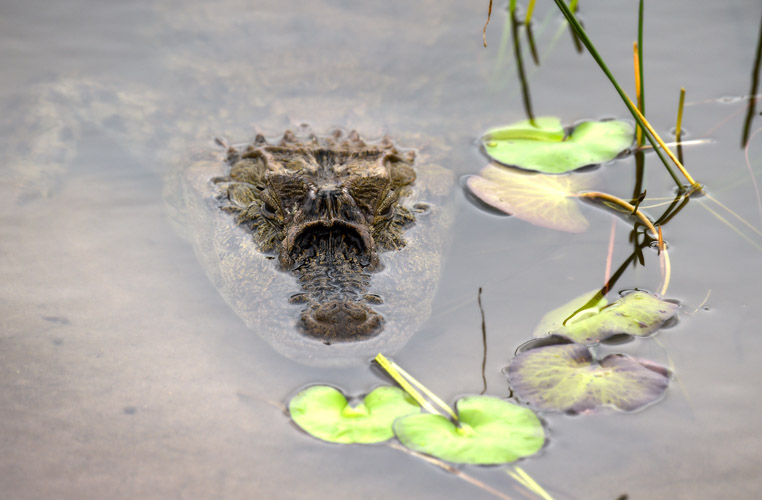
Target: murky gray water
x,y
123,374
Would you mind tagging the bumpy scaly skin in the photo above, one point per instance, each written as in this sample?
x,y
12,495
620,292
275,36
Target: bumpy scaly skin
x,y
326,206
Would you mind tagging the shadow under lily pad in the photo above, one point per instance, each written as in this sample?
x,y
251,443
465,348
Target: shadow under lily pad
x,y
543,200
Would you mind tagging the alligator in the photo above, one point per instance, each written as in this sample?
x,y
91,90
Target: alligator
x,y
326,207
348,231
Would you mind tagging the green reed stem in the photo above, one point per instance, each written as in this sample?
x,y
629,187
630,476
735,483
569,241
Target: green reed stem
x,y
530,9
642,96
594,53
680,106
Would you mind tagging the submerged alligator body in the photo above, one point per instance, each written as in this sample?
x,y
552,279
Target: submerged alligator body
x,y
329,247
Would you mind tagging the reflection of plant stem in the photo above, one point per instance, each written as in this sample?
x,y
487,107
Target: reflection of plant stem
x,y
530,36
730,225
669,213
611,281
609,256
751,171
532,46
666,268
484,341
452,470
520,68
575,38
752,92
640,172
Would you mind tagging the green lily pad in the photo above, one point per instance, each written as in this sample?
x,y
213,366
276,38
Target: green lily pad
x,y
567,378
491,431
542,148
543,200
638,313
324,412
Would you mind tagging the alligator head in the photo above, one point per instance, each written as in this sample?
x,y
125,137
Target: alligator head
x,y
326,206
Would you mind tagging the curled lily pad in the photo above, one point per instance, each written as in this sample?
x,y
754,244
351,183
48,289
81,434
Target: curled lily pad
x,y
542,148
543,200
567,378
491,431
324,412
638,313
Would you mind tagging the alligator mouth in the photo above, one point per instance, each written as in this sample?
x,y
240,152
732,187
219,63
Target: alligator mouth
x,y
335,241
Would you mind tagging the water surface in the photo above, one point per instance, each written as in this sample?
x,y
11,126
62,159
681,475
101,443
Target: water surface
x,y
123,374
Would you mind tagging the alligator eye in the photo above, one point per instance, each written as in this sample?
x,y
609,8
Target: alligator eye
x,y
268,209
386,211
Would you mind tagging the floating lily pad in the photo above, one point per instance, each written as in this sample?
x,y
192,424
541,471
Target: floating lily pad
x,y
324,412
543,200
544,147
492,431
638,313
567,378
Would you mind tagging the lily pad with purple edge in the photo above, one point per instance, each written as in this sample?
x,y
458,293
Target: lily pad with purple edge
x,y
490,431
543,145
325,413
637,313
543,200
567,378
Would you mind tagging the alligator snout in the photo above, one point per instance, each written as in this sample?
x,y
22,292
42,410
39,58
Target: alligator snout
x,y
341,320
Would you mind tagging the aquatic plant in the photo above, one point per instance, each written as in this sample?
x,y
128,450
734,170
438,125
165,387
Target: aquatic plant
x,y
650,134
544,200
568,378
488,431
544,145
325,413
638,314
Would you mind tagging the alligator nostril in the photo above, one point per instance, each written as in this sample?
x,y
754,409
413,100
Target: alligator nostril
x,y
355,312
340,313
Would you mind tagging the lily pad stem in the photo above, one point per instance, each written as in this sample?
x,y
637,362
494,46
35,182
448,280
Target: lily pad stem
x,y
666,270
631,209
